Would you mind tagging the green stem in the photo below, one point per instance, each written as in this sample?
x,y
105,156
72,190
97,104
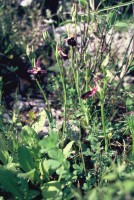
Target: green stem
x,y
82,158
80,148
46,100
72,67
87,109
103,125
64,87
133,142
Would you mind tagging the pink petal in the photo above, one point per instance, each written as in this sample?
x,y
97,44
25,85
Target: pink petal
x,y
38,63
32,71
89,93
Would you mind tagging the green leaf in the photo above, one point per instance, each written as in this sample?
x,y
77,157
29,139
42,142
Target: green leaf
x,y
130,104
10,182
28,135
121,24
44,170
39,124
25,159
63,173
110,177
12,69
114,7
32,194
65,22
84,2
64,170
56,154
52,190
49,142
50,119
127,186
29,175
92,5
82,17
77,167
66,165
105,61
4,155
66,150
53,164
131,68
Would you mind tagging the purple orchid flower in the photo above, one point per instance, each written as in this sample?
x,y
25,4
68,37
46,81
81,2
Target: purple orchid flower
x,y
62,54
37,70
90,93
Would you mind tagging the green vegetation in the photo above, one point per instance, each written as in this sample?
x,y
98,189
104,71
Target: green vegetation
x,y
91,156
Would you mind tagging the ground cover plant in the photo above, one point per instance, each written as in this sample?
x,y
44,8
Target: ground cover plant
x,y
91,155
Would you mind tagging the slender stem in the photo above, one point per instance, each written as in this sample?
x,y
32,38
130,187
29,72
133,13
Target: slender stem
x,y
80,147
64,87
45,98
133,142
132,131
82,157
103,125
72,66
87,109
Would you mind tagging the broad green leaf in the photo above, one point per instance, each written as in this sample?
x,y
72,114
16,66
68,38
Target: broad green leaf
x,y
130,104
10,182
39,124
32,194
56,154
66,164
53,164
25,160
28,135
44,170
49,142
63,173
66,150
127,186
77,167
28,175
4,155
52,190
92,195
64,170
